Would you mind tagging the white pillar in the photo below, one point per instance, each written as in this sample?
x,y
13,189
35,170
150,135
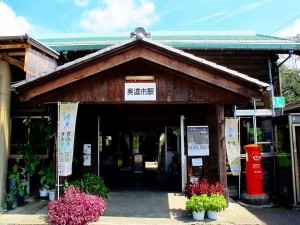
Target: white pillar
x,y
5,82
183,156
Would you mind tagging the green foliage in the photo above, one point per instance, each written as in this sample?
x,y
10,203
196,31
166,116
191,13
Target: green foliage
x,y
290,84
18,174
31,161
40,133
37,141
10,196
48,176
198,203
217,203
90,184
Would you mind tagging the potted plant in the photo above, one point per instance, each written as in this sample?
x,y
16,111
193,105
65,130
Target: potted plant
x,y
47,179
203,186
198,205
90,184
20,185
76,207
10,198
35,143
216,204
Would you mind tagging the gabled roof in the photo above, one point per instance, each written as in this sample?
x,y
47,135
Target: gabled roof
x,y
14,49
192,40
24,41
158,49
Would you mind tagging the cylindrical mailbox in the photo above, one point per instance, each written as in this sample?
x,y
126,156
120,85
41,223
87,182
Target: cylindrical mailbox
x,y
254,172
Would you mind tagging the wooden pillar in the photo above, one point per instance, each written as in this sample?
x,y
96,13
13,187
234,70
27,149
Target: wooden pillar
x,y
216,123
222,147
5,81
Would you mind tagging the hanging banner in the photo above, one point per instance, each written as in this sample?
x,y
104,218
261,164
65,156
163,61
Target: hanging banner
x,y
198,140
233,145
67,113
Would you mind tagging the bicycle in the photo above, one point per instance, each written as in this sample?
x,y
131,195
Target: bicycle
x,y
174,167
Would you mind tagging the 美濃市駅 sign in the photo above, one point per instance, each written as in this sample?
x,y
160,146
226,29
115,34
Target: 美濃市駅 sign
x,y
140,91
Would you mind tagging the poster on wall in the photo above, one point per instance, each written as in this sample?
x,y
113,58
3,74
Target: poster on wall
x,y
198,140
197,162
87,151
233,145
67,113
136,144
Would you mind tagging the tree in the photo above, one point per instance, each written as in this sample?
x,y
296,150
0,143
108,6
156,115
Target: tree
x,y
290,83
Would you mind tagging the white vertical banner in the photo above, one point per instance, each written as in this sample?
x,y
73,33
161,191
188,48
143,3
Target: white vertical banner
x,y
67,113
233,145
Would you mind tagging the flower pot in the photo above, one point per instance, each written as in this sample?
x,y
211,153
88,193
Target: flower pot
x,y
20,200
51,195
9,205
198,215
43,192
11,183
212,215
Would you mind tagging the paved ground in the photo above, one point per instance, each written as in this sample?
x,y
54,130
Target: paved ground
x,y
149,200
156,208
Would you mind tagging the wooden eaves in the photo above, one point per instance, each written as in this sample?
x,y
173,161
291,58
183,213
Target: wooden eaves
x,y
13,49
146,49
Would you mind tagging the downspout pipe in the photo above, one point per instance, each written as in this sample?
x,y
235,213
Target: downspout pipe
x,y
289,56
280,64
271,86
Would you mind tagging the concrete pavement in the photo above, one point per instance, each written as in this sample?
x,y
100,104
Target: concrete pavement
x,y
144,208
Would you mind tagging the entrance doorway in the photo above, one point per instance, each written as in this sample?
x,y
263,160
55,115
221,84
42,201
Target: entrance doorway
x,y
136,158
133,145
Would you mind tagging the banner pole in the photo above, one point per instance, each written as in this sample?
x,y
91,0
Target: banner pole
x,y
57,172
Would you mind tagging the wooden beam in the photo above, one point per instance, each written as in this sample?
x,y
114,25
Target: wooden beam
x,y
12,61
20,53
198,72
78,74
14,46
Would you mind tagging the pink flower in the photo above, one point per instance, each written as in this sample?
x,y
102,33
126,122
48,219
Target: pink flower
x,y
75,208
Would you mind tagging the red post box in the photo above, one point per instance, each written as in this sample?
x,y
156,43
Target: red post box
x,y
254,172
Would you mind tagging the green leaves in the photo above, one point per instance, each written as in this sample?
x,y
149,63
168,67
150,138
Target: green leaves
x,y
48,175
217,203
10,196
290,84
90,184
198,203
20,177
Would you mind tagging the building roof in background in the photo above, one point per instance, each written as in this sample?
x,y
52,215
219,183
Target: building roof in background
x,y
24,41
191,40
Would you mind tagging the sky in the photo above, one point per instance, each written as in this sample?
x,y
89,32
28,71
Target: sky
x,y
46,18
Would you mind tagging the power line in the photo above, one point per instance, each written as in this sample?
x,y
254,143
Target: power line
x,y
284,24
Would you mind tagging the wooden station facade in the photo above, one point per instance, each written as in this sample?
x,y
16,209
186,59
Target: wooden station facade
x,y
188,89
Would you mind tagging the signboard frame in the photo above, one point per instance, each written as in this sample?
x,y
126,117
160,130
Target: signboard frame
x,y
198,140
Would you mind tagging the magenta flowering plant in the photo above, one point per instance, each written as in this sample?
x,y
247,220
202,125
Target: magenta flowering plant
x,y
203,186
76,208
